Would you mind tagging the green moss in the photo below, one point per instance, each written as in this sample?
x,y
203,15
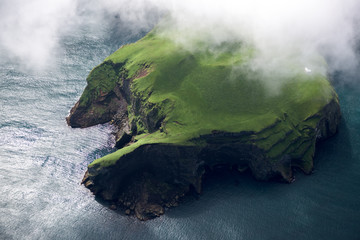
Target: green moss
x,y
143,139
195,93
101,80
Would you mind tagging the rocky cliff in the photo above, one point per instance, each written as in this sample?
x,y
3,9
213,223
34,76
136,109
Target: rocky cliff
x,y
179,113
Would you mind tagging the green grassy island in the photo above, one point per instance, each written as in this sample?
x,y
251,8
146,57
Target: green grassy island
x,y
179,113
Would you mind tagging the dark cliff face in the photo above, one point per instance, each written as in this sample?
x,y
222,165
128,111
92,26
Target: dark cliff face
x,y
157,176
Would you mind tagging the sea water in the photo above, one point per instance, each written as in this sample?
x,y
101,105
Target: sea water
x,y
42,162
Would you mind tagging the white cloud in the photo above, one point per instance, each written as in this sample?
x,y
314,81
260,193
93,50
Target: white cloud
x,y
30,29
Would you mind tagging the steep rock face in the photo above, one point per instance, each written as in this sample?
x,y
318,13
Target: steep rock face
x,y
177,116
103,99
160,174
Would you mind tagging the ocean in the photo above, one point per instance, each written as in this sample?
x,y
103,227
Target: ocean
x,y
42,162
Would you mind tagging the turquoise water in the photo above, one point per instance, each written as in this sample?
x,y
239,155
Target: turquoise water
x,y
42,162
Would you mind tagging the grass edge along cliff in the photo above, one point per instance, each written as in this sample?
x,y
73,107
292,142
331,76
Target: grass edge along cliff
x,y
179,113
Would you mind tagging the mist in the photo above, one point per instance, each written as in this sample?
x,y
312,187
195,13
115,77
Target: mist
x,y
31,31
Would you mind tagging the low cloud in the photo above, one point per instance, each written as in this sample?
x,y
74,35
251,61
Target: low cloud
x,y
30,31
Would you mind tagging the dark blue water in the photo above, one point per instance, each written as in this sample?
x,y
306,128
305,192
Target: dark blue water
x,y
42,162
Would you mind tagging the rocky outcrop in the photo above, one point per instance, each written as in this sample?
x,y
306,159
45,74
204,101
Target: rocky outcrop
x,y
100,101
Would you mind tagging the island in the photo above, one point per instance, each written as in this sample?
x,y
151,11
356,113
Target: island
x,y
180,113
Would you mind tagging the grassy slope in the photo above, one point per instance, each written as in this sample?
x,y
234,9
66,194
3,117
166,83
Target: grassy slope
x,y
207,94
